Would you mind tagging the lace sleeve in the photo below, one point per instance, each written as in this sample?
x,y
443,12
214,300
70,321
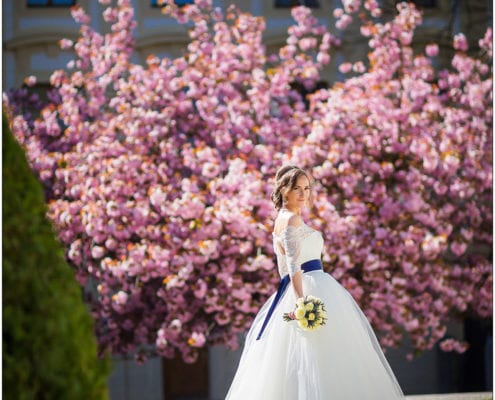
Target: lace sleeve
x,y
291,241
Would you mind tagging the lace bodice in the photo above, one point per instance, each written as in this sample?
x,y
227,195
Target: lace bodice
x,y
299,244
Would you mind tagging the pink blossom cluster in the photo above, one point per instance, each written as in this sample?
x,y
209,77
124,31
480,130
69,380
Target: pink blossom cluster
x,y
403,155
158,177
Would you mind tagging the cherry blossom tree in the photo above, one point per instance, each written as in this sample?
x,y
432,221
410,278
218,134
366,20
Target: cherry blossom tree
x,y
403,155
158,177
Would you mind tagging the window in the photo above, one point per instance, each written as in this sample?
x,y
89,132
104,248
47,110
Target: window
x,y
425,3
293,3
51,3
180,3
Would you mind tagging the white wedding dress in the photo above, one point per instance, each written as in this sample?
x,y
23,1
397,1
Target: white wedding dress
x,y
340,361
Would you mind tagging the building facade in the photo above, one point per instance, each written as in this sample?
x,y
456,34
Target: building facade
x,y
32,28
31,32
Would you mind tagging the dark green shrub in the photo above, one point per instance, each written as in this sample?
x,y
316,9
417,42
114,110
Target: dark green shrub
x,y
49,350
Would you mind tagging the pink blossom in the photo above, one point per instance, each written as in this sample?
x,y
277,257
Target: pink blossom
x,y
120,297
358,67
452,344
201,289
30,81
351,6
366,30
432,50
460,42
467,234
406,38
487,42
210,170
345,67
458,248
412,325
80,15
338,12
197,340
66,44
97,252
308,43
343,22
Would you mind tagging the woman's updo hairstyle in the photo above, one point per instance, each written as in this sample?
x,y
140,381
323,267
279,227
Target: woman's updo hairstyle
x,y
286,179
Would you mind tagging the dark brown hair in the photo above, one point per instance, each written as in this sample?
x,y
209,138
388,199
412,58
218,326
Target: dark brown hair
x,y
286,179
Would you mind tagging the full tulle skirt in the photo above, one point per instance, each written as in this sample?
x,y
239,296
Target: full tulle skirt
x,y
340,361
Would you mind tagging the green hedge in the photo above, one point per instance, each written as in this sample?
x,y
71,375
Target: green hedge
x,y
49,350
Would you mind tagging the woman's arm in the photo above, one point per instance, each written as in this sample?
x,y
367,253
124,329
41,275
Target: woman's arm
x,y
296,280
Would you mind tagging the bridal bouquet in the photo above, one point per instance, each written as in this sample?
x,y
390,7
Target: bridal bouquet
x,y
310,313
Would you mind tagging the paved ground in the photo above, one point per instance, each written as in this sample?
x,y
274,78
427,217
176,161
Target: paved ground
x,y
453,396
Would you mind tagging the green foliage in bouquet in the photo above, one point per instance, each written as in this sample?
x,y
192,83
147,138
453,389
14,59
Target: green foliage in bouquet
x,y
49,351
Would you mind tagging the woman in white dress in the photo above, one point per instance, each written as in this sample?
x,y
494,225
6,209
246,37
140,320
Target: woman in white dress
x,y
340,361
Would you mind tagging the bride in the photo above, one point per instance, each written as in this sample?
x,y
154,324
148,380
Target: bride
x,y
340,361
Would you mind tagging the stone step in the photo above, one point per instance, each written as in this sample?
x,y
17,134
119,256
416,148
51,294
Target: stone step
x,y
452,396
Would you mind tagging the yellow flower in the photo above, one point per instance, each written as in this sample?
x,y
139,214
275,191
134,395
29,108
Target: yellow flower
x,y
303,323
300,302
300,313
309,307
311,316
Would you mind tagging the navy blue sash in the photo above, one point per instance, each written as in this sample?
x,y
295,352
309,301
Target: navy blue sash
x,y
311,265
